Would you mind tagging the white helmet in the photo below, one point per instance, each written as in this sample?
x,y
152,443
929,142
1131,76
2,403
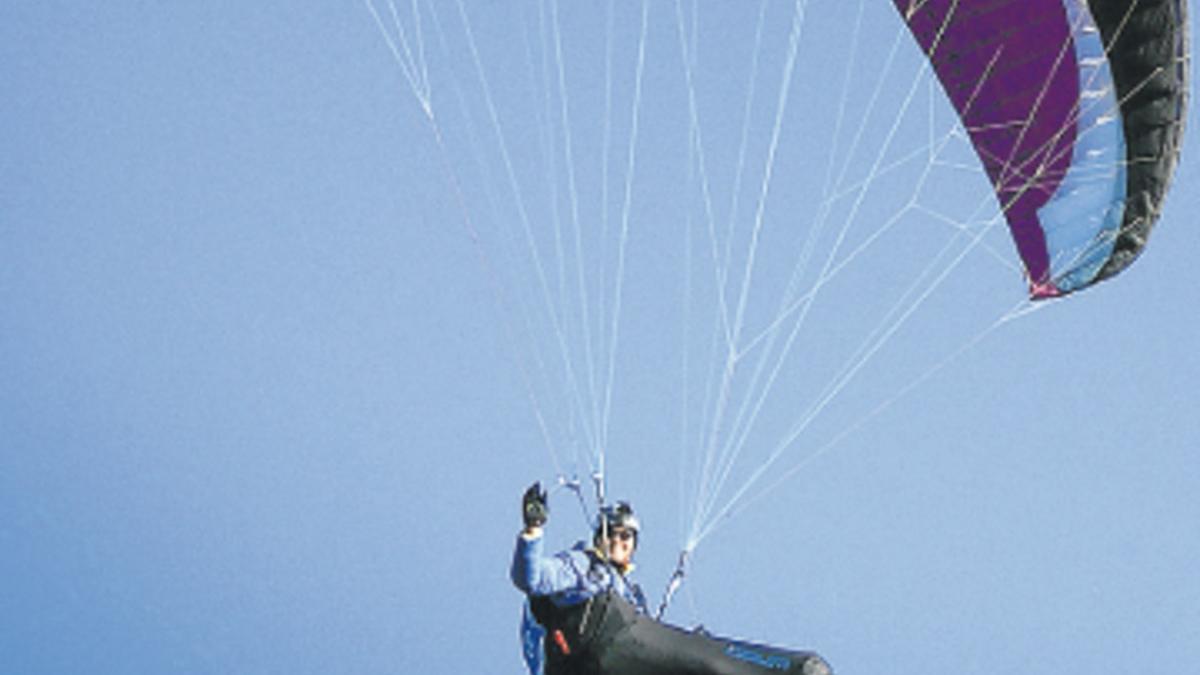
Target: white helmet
x,y
619,515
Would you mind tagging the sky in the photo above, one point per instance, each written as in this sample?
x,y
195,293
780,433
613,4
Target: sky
x,y
276,365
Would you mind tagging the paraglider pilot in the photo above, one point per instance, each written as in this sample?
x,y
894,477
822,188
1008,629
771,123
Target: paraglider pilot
x,y
584,616
572,577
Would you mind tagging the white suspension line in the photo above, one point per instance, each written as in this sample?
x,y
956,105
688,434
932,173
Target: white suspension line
x,y
624,239
711,382
797,303
739,171
696,156
531,243
781,106
709,494
413,68
686,302
863,187
845,378
497,287
735,447
932,149
746,428
798,17
841,383
844,99
605,145
723,314
966,227
549,136
573,198
869,110
881,407
852,216
561,391
695,132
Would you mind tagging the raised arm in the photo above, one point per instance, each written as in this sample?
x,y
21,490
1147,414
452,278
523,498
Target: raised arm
x,y
537,574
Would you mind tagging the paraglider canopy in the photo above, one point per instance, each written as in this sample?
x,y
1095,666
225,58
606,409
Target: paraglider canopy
x,y
1076,111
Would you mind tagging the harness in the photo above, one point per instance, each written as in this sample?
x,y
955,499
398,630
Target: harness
x,y
572,633
607,635
576,634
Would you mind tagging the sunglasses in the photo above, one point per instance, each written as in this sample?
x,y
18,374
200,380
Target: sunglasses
x,y
623,535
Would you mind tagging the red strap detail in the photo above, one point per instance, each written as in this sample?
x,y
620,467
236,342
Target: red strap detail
x,y
561,641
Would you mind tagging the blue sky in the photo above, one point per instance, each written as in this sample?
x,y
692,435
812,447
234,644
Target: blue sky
x,y
263,401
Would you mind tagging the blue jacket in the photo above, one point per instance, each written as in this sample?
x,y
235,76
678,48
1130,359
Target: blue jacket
x,y
567,578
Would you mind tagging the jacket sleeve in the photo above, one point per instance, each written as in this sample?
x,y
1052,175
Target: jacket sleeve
x,y
535,574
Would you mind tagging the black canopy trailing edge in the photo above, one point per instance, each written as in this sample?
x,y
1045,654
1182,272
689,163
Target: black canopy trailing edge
x,y
1148,48
607,636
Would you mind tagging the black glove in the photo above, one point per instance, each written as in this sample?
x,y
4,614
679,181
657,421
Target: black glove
x,y
533,506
